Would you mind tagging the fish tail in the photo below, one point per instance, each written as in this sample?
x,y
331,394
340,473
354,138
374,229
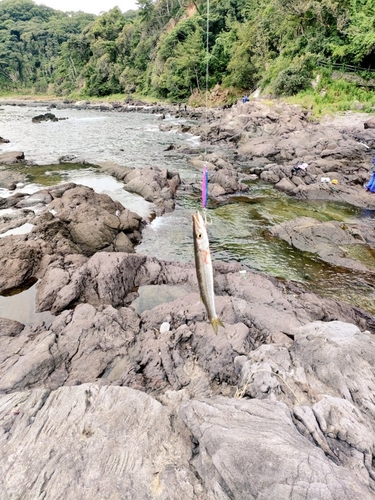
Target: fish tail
x,y
215,324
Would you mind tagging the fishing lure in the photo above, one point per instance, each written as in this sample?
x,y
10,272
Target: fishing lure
x,y
204,187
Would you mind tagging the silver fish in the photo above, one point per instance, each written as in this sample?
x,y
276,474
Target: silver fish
x,y
203,266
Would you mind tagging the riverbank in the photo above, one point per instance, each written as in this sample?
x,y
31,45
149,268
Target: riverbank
x,y
153,404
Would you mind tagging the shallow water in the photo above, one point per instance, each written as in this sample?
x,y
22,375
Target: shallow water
x,y
21,307
129,139
238,230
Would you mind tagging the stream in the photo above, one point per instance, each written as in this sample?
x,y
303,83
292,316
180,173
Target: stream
x,y
238,230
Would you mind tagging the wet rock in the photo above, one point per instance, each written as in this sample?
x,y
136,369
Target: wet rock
x,y
329,240
44,118
71,159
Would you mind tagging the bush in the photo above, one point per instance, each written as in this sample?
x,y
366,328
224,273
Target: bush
x,y
290,81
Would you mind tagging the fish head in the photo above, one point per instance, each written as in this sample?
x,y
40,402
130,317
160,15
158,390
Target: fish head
x,y
200,233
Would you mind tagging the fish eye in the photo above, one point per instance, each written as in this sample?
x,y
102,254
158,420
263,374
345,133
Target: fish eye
x,y
199,236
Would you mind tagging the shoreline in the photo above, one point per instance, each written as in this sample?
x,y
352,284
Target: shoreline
x,y
152,402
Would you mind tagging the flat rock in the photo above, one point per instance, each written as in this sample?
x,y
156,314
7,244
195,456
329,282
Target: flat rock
x,y
331,241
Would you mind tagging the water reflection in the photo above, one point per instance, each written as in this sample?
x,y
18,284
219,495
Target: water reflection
x,y
239,233
151,296
20,306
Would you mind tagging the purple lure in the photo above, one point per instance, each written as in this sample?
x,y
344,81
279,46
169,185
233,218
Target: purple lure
x,y
204,187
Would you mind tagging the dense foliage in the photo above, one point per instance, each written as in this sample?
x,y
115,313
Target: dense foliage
x,y
162,49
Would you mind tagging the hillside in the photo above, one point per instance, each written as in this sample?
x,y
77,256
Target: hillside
x,y
162,49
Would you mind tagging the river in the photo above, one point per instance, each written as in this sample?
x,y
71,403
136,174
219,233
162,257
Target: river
x,y
238,231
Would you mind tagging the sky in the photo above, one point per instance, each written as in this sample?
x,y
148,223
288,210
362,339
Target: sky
x,y
89,6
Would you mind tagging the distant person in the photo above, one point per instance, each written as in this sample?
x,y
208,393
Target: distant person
x,y
245,98
371,184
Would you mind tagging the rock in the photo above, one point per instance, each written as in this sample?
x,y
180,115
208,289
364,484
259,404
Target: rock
x,y
235,437
10,179
370,123
277,404
122,243
90,217
327,239
4,141
107,432
200,164
44,118
259,147
12,157
257,311
41,197
71,159
154,185
18,261
10,328
285,185
81,222
334,412
228,180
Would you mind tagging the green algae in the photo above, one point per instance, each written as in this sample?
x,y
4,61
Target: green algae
x,y
49,175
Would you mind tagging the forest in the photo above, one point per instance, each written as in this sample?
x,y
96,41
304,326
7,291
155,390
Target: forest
x,y
171,49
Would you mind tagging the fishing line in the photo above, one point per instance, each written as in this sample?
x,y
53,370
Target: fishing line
x,y
205,171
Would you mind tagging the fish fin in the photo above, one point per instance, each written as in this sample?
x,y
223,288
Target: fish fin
x,y
215,324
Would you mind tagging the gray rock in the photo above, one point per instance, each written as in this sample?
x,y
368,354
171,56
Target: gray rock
x,y
41,197
154,185
12,157
237,440
93,442
328,240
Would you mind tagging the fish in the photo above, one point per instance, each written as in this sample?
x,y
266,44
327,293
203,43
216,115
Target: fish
x,y
203,267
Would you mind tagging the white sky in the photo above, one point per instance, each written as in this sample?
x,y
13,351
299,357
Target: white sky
x,y
89,6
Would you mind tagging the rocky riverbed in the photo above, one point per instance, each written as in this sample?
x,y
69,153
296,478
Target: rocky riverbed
x,y
110,401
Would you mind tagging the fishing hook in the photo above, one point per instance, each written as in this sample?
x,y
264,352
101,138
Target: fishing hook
x,y
206,223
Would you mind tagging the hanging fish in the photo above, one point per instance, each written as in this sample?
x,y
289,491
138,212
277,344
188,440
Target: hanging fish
x,y
203,266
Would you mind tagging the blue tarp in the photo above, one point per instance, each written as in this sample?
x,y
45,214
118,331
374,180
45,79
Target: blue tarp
x,y
371,185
